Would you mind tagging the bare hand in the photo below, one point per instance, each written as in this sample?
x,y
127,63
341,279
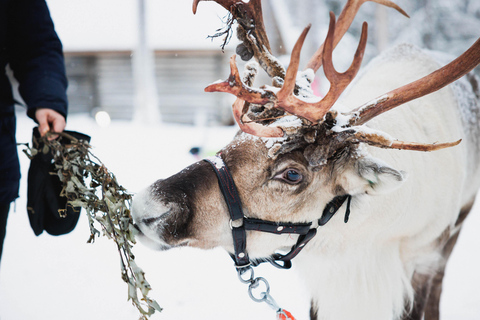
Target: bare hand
x,y
49,120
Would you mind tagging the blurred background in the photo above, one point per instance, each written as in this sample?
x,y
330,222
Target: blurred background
x,y
136,71
151,59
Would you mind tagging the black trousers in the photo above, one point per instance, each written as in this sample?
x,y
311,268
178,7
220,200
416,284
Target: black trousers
x,y
4,208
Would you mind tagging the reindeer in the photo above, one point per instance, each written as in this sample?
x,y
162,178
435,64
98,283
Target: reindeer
x,y
325,181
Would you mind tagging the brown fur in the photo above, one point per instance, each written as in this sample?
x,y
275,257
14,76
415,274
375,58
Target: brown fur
x,y
428,288
194,194
254,162
313,311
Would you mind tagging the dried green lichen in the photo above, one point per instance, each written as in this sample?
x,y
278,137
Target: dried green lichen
x,y
87,183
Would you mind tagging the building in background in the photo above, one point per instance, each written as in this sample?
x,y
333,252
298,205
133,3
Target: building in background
x,y
100,37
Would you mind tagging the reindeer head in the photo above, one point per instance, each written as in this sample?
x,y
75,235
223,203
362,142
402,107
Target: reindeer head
x,y
295,152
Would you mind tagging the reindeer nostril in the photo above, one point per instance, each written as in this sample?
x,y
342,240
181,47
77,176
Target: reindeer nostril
x,y
152,220
149,221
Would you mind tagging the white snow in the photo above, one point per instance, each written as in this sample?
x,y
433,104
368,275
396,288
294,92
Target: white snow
x,y
288,121
217,161
58,278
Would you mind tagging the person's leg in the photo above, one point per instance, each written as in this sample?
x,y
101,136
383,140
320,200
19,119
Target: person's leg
x,y
4,208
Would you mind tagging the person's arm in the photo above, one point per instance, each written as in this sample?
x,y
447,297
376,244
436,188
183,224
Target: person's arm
x,y
36,58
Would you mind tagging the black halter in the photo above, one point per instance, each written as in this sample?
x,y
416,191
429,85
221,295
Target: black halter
x,y
239,223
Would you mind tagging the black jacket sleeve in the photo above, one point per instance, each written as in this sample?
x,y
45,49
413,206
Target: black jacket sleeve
x,y
36,56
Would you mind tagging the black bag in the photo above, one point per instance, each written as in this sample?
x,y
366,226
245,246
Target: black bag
x,y
46,209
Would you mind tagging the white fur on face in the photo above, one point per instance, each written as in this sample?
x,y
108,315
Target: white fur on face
x,y
149,215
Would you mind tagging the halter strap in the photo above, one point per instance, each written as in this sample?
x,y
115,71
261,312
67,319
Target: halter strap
x,y
239,223
230,194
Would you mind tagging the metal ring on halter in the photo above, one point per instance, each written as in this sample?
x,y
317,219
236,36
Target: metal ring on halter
x,y
255,285
238,223
241,272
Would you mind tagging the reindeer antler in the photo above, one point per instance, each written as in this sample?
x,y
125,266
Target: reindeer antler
x,y
345,19
428,84
285,99
252,32
249,17
314,112
382,140
419,88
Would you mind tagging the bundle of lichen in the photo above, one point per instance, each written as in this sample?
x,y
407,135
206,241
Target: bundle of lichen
x,y
89,184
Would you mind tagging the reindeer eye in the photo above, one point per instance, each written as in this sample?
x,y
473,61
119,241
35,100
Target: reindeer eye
x,y
291,176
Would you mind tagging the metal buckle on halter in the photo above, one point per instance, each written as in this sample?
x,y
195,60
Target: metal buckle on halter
x,y
231,222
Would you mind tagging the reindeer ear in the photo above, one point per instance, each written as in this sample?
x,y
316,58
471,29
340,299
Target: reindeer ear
x,y
377,177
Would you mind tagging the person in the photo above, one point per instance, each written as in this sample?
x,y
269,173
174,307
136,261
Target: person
x,y
31,48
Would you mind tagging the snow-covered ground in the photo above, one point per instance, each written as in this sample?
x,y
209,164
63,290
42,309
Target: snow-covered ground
x,y
58,278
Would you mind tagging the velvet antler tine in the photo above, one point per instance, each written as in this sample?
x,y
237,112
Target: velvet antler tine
x,y
227,4
358,57
257,12
401,145
344,21
342,80
195,5
251,31
286,100
426,85
248,14
232,85
392,5
253,128
327,57
339,81
382,140
291,75
314,112
235,86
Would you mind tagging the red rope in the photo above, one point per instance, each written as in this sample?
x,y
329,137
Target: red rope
x,y
284,315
